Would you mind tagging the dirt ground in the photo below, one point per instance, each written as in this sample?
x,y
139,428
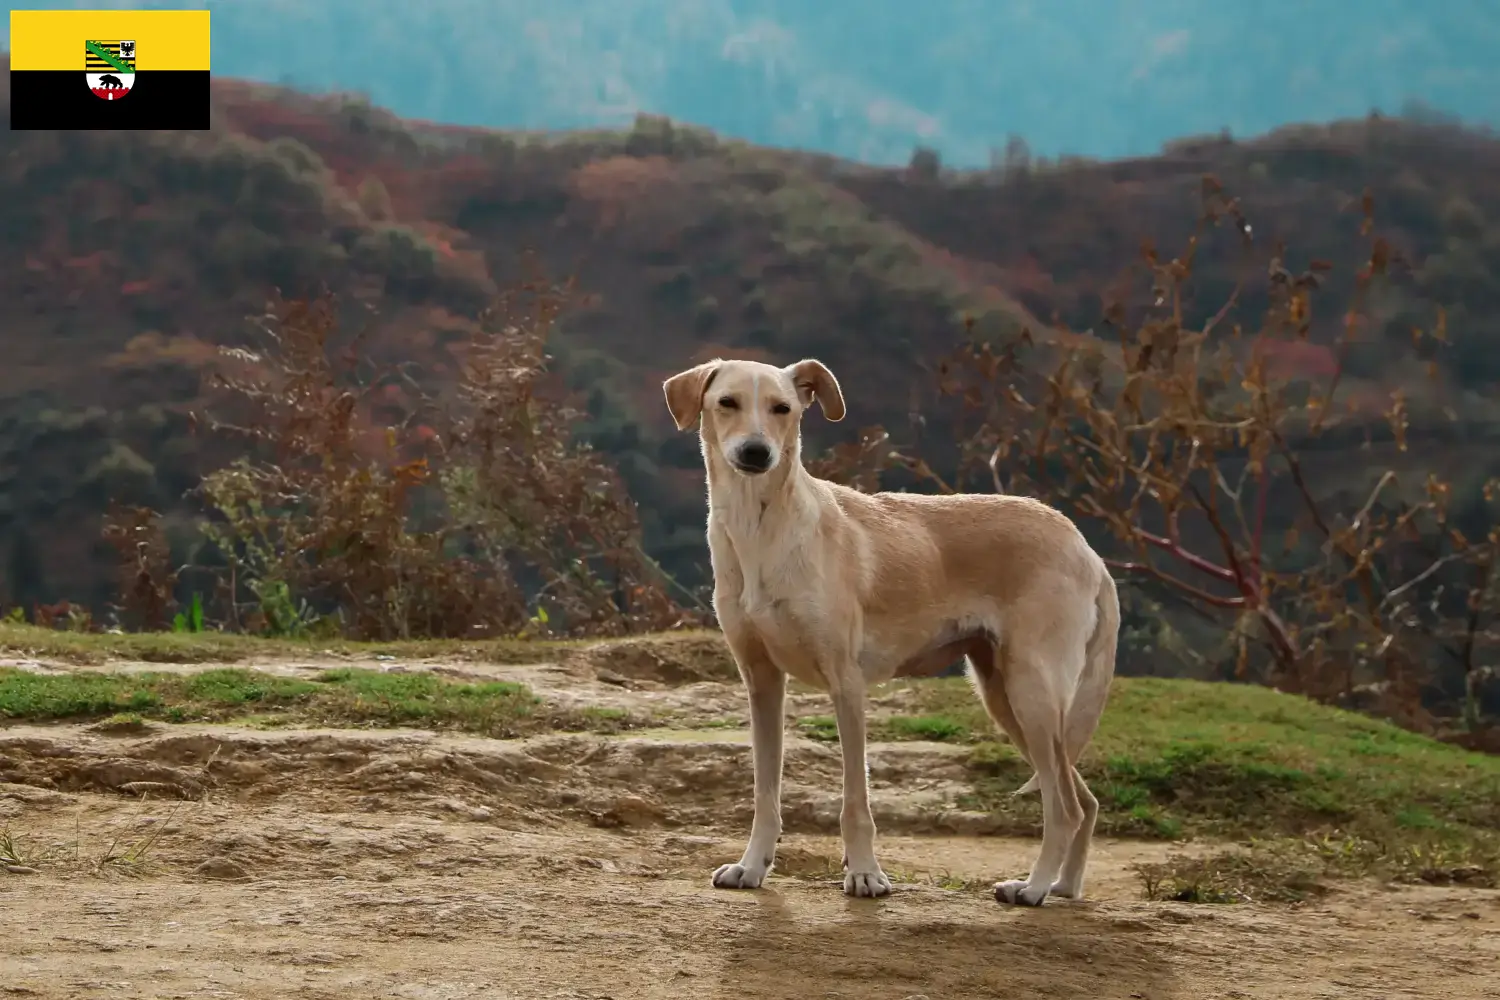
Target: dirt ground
x,y
229,862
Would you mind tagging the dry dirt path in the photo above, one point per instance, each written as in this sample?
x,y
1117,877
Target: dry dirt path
x,y
322,864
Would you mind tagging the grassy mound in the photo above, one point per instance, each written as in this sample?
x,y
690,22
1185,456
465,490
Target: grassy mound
x,y
339,697
1313,789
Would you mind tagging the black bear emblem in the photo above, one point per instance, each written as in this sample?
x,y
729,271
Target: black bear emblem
x,y
111,81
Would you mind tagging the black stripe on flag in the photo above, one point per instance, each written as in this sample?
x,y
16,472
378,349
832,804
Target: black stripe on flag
x,y
160,99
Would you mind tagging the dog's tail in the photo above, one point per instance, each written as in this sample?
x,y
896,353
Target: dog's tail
x,y
1092,692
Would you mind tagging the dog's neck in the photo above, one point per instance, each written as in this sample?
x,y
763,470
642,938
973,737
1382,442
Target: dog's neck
x,y
759,526
740,502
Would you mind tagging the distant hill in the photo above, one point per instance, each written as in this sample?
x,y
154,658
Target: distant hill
x,y
125,258
870,79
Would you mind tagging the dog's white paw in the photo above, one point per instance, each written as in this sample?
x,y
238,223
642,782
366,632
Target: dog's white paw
x,y
867,884
1066,891
1016,893
738,877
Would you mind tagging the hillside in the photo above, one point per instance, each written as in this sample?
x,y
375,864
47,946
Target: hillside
x,y
871,79
128,257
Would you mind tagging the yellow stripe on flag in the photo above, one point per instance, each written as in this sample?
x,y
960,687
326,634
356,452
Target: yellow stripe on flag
x,y
42,40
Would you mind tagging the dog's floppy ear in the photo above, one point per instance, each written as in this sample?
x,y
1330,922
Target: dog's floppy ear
x,y
684,392
815,382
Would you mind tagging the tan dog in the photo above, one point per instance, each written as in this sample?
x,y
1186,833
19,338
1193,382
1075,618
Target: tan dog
x,y
842,589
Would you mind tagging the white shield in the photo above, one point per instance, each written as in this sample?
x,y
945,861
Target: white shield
x,y
110,86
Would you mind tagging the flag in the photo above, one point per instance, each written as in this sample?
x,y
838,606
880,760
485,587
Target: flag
x,y
109,69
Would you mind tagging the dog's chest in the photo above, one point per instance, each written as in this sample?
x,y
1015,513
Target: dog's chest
x,y
764,573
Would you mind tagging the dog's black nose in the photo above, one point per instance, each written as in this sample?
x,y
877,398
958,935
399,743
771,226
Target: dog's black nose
x,y
755,457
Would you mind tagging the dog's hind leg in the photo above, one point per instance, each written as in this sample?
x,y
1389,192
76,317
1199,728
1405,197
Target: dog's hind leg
x,y
1082,720
766,686
1038,705
992,691
1084,713
1069,884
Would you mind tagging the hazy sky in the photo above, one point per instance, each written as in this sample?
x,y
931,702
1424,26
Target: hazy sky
x,y
871,78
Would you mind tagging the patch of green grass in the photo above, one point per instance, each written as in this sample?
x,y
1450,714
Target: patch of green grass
x,y
121,724
1176,758
338,697
407,699
819,727
938,728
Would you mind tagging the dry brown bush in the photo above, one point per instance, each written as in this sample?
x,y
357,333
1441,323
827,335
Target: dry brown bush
x,y
1186,450
535,503
363,504
147,577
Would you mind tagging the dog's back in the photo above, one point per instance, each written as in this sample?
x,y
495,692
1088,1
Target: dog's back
x,y
919,549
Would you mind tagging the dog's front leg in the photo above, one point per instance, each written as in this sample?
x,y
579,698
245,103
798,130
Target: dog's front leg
x,y
857,824
766,686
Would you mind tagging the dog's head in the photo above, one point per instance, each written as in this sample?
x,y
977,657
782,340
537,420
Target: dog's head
x,y
751,412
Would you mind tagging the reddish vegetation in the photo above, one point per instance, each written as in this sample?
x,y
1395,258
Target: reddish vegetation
x,y
134,256
1188,452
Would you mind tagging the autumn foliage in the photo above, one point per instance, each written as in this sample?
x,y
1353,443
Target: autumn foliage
x,y
1191,457
368,506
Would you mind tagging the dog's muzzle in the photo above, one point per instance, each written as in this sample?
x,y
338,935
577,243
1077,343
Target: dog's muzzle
x,y
752,457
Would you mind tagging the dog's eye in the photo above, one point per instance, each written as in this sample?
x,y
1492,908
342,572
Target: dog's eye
x,y
781,408
728,403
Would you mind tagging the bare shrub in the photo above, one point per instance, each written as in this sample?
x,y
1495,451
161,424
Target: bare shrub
x,y
367,505
1198,456
146,575
535,503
